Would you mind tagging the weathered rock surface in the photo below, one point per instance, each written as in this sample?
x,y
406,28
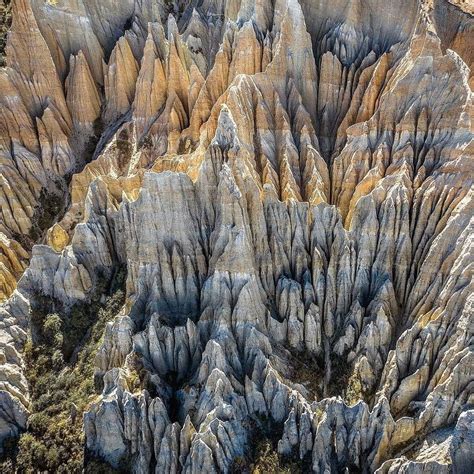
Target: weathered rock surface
x,y
289,185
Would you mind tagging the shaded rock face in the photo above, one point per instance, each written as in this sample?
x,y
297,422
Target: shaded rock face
x,y
289,185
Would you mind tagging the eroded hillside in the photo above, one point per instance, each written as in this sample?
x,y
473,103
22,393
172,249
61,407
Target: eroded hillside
x,y
237,235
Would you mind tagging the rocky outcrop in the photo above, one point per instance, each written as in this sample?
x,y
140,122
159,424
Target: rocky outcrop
x,y
289,185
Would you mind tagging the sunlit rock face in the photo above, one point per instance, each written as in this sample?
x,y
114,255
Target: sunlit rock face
x,y
284,181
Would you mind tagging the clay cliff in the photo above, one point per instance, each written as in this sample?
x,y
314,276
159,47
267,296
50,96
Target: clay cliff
x,y
280,192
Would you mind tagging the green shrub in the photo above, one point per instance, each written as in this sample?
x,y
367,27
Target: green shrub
x,y
57,359
52,330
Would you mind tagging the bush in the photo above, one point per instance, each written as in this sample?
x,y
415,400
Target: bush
x,y
57,360
52,330
38,422
267,459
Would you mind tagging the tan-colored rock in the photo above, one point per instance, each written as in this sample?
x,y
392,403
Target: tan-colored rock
x,y
57,237
81,92
120,76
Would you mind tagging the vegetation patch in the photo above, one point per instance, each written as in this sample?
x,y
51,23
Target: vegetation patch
x,y
345,382
263,456
340,373
306,371
5,24
309,371
50,205
59,358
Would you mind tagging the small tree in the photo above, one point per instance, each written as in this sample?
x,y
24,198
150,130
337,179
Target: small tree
x,y
52,330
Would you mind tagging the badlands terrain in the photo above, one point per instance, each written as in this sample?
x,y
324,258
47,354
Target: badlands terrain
x,y
236,236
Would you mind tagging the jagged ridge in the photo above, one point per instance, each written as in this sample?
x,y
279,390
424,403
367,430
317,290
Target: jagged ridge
x,y
282,181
